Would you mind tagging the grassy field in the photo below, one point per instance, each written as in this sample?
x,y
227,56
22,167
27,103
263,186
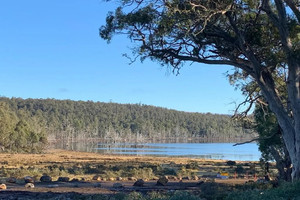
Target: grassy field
x,y
86,165
84,170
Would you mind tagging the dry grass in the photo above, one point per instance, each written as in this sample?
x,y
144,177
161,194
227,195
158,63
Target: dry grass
x,y
83,164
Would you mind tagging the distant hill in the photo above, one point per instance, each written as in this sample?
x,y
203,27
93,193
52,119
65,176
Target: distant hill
x,y
74,120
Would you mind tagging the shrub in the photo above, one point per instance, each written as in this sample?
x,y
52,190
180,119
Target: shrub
x,y
239,169
285,191
180,195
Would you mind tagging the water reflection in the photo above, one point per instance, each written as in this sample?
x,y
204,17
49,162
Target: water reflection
x,y
196,150
226,151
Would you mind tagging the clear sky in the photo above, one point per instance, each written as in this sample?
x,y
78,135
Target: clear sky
x,y
52,49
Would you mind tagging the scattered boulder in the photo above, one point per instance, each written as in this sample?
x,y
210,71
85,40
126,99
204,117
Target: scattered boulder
x,y
111,179
196,178
119,178
46,179
132,179
139,183
3,187
162,181
231,163
28,179
173,178
11,180
63,179
186,178
29,185
97,178
118,185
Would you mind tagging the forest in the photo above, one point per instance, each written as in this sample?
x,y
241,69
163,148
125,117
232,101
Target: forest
x,y
27,125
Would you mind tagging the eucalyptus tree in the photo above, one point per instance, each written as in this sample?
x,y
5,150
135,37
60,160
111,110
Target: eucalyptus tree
x,y
270,141
8,120
259,38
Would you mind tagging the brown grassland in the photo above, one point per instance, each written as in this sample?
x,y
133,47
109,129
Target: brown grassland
x,y
83,167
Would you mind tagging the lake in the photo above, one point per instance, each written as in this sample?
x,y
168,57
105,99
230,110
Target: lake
x,y
225,151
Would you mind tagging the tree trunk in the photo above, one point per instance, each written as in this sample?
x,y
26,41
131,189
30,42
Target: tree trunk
x,y
283,163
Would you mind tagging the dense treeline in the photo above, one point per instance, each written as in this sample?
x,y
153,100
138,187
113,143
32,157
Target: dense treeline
x,y
72,120
18,133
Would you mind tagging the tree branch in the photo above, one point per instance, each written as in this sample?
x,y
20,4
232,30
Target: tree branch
x,y
256,139
294,8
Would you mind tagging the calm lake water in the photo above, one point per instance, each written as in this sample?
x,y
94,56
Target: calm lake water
x,y
226,151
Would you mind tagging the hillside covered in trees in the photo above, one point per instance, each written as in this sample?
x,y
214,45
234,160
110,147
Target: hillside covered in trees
x,y
32,121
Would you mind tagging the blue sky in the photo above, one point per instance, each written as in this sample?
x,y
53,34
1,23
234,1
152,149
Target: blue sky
x,y
51,49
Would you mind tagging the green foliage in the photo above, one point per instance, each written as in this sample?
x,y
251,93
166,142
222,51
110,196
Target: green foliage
x,y
285,191
239,169
267,127
178,195
18,134
271,143
260,39
66,120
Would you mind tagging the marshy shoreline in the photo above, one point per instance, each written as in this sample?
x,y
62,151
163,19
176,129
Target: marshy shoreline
x,y
96,174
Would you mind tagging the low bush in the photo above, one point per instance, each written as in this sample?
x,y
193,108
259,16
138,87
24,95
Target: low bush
x,y
285,191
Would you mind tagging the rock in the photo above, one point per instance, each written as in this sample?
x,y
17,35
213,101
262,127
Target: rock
x,y
231,163
132,179
28,179
29,185
162,181
46,179
104,179
63,179
11,180
196,178
97,185
118,185
139,183
111,179
3,187
75,180
186,178
97,178
119,178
